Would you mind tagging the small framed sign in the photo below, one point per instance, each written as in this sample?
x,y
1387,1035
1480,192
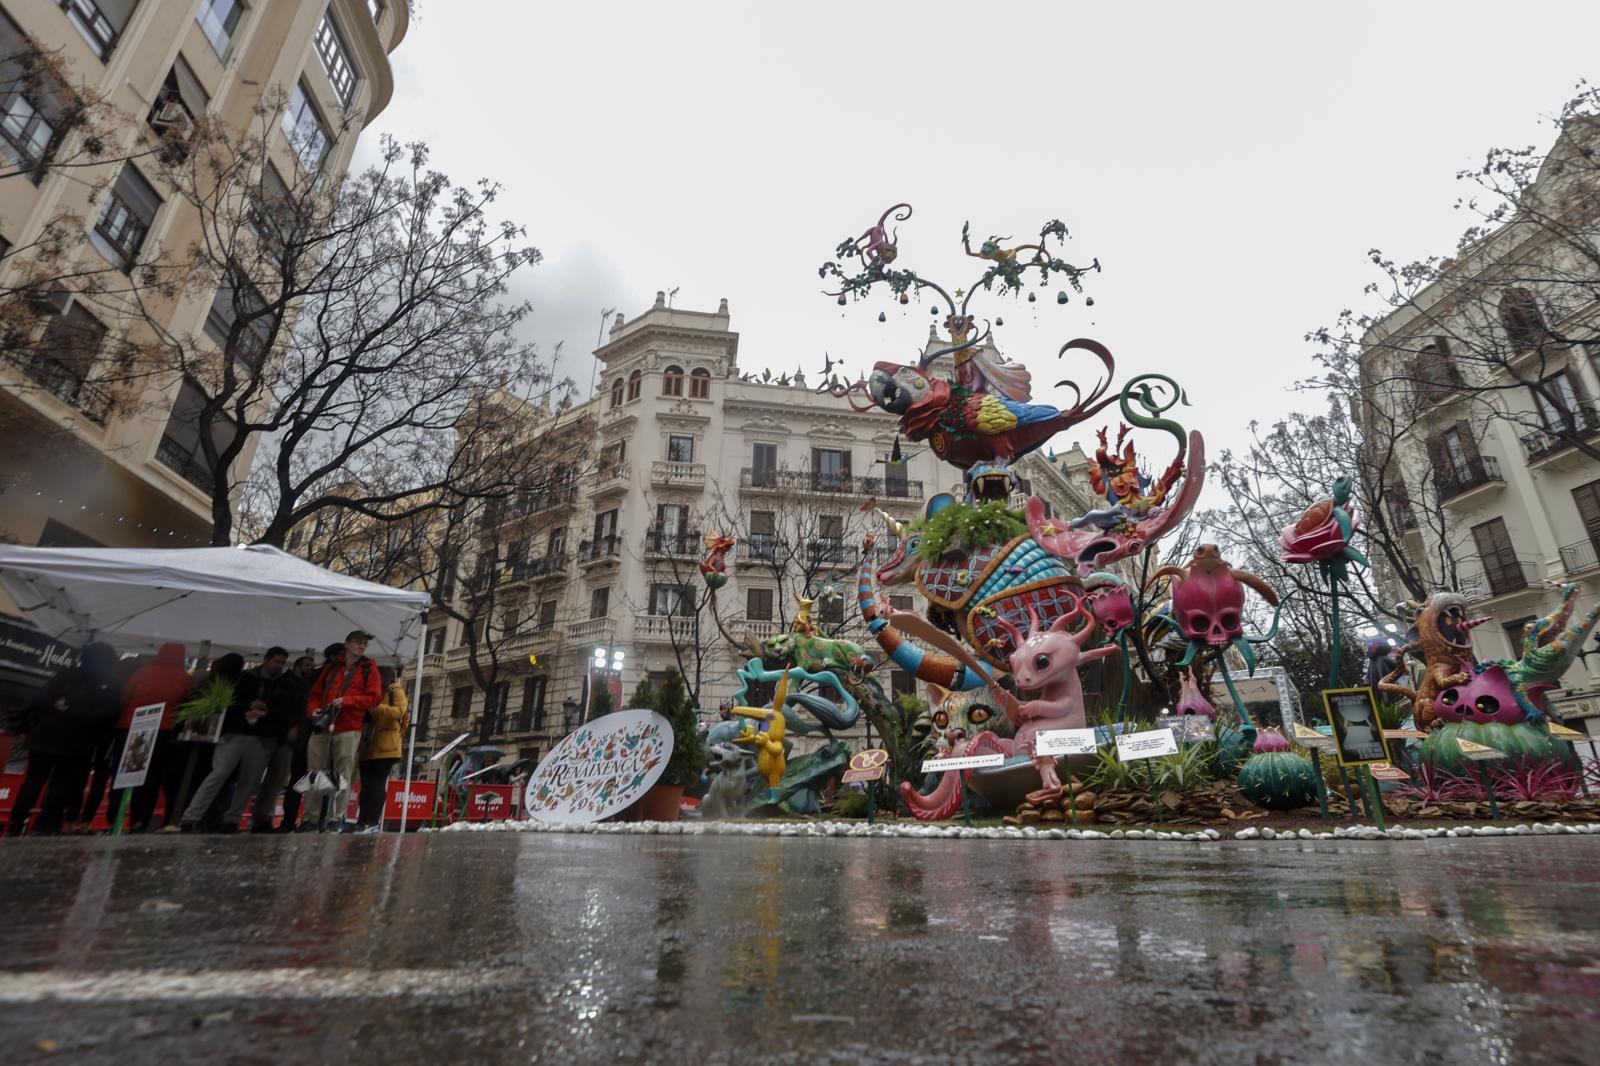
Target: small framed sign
x,y
1065,742
962,762
868,765
1357,730
1146,745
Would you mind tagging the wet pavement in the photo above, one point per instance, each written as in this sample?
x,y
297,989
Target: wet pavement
x,y
499,948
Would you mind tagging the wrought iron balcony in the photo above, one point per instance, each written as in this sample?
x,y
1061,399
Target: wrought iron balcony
x,y
1484,470
186,463
761,547
828,550
1576,558
1404,516
673,542
65,384
1576,425
1499,577
829,484
600,549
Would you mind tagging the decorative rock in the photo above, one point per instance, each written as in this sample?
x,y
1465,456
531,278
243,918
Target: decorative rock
x,y
1268,833
1118,834
1491,831
1093,834
1214,834
1304,834
1247,834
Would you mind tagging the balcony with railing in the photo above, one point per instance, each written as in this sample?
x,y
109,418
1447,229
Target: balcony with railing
x,y
1580,424
787,482
519,645
537,568
615,477
758,629
667,474
664,629
606,549
186,463
761,548
673,543
591,631
1469,480
828,551
1580,557
1499,577
541,501
91,398
1404,517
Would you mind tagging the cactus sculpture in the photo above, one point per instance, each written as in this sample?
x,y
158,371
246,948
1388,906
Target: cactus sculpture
x,y
1275,777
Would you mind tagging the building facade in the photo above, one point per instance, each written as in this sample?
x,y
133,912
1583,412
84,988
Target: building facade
x,y
600,563
1475,412
83,462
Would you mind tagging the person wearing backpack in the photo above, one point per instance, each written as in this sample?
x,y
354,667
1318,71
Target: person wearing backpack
x,y
341,697
380,750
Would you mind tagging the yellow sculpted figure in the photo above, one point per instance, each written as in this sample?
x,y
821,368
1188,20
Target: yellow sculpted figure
x,y
768,742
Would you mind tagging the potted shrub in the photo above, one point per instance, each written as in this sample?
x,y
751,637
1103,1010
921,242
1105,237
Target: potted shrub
x,y
671,701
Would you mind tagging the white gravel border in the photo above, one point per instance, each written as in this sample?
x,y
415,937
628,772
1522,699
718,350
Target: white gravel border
x,y
918,830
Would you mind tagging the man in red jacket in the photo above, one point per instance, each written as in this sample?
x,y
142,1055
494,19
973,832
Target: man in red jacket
x,y
162,680
343,693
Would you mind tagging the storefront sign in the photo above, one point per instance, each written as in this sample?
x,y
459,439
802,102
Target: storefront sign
x,y
141,745
30,651
1065,742
417,801
600,768
1146,745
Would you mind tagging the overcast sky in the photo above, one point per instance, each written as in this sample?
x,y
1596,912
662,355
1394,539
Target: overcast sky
x,y
1229,164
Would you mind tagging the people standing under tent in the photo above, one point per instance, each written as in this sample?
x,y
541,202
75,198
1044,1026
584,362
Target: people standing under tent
x,y
163,680
250,729
381,742
299,773
60,725
289,754
343,693
191,757
102,760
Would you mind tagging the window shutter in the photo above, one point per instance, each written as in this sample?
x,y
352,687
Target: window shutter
x,y
1469,443
1439,459
1493,541
1587,497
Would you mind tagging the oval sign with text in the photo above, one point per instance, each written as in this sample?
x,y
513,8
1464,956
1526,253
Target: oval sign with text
x,y
600,768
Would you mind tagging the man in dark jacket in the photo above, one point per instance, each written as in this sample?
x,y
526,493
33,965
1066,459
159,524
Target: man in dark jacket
x,y
289,754
61,724
250,729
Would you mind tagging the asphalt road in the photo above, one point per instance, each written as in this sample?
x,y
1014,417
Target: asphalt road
x,y
499,947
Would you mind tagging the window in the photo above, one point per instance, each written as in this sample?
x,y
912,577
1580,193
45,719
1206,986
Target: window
x,y
100,21
758,604
308,135
294,539
635,383
236,300
533,692
375,9
680,449
461,702
29,133
67,353
896,481
556,544
1587,498
335,56
613,455
180,101
274,217
1513,631
219,21
1501,567
672,381
830,468
672,519
763,534
600,602
1558,403
1435,371
435,645
605,525
508,621
831,610
424,712
547,614
764,463
700,384
616,393
670,599
1523,322
494,709
130,209
181,449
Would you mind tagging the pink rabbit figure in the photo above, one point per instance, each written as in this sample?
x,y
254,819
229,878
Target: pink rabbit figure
x,y
1048,661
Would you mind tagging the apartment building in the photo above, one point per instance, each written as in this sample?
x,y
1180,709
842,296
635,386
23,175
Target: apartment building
x,y
1484,410
81,461
596,568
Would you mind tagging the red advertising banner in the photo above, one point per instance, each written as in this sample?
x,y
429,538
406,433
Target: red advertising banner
x,y
10,784
488,803
419,802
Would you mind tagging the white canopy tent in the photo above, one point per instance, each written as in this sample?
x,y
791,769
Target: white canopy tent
x,y
243,599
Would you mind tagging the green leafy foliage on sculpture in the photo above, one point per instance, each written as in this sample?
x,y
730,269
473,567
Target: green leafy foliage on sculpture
x,y
964,527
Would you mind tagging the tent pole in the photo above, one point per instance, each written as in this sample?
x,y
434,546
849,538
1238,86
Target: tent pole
x,y
416,704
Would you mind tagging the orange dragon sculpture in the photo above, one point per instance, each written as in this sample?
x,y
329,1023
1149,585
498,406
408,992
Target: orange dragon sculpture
x,y
1444,644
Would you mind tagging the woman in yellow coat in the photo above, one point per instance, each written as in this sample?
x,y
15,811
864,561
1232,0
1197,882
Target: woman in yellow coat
x,y
381,746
